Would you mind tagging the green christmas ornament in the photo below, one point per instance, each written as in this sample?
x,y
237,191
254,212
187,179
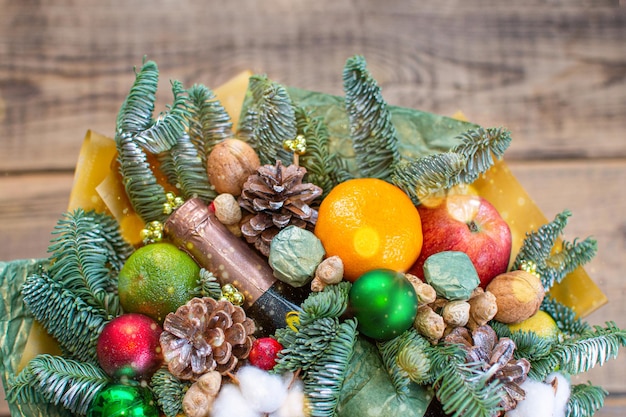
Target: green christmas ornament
x,y
384,303
118,400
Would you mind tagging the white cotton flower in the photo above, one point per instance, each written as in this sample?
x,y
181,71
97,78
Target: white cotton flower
x,y
230,402
562,394
264,392
539,401
294,403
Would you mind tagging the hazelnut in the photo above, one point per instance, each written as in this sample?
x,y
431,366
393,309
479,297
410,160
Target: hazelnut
x,y
229,165
518,295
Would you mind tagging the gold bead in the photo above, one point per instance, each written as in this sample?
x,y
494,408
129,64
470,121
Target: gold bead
x,y
237,299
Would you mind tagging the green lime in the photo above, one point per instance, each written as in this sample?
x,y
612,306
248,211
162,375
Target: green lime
x,y
541,323
157,279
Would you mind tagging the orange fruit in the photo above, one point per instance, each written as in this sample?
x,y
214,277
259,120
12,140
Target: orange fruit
x,y
369,223
157,279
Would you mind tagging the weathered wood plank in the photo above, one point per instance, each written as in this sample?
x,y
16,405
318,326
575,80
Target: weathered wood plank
x,y
555,76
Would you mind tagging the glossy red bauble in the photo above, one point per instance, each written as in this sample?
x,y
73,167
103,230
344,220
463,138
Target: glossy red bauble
x,y
129,347
264,352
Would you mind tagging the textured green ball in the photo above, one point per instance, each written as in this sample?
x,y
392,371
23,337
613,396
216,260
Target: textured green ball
x,y
384,303
118,400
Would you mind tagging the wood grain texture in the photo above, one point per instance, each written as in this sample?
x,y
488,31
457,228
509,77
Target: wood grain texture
x,y
553,72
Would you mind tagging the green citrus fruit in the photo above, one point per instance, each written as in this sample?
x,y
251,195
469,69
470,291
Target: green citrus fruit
x,y
157,279
541,323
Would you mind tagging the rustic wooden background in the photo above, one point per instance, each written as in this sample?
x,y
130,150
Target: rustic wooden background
x,y
553,72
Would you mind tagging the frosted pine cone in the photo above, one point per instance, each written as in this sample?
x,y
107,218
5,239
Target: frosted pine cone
x,y
277,198
205,335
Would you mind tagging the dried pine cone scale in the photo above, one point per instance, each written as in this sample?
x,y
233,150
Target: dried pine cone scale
x,y
205,335
276,197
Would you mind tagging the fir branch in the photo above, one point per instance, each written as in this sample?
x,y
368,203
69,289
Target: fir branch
x,y
323,382
538,244
406,359
209,123
564,316
478,147
429,175
83,253
585,400
208,285
374,137
246,129
580,354
59,381
324,169
184,168
276,121
169,392
302,349
331,302
168,127
135,114
531,346
72,322
463,389
146,195
567,259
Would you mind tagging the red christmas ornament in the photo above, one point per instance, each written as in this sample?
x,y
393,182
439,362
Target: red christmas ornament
x,y
264,352
129,347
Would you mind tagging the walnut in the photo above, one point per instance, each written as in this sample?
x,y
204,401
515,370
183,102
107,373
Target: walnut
x,y
518,295
227,209
229,165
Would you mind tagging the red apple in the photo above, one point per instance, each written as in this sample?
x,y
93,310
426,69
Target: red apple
x,y
469,224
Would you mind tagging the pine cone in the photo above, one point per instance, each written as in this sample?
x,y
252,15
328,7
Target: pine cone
x,y
277,198
205,335
483,345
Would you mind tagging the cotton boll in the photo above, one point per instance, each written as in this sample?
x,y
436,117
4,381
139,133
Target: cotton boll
x,y
539,401
562,393
264,392
294,403
230,402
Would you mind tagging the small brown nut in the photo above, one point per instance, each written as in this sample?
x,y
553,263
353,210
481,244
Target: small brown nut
x,y
229,165
429,324
330,270
227,209
518,295
456,313
199,398
317,284
483,307
426,294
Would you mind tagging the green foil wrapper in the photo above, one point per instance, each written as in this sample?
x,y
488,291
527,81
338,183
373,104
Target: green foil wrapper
x,y
368,391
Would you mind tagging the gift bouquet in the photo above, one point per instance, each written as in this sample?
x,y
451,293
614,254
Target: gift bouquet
x,y
263,250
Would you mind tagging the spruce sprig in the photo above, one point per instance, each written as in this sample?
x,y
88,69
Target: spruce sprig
x,y
323,382
208,285
478,147
579,354
553,265
276,121
136,132
427,176
463,389
72,322
406,359
209,123
184,168
86,255
374,136
330,303
59,381
324,169
585,400
169,392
